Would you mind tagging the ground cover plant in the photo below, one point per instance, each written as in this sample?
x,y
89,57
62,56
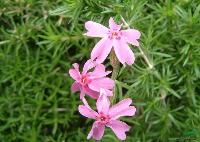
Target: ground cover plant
x,y
40,40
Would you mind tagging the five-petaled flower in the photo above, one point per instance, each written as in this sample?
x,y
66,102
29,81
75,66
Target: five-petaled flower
x,y
112,37
108,116
91,79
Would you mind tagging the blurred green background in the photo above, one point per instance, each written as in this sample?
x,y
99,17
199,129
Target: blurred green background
x,y
40,39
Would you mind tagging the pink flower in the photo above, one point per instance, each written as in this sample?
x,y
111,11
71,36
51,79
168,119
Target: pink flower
x,y
112,37
107,116
89,82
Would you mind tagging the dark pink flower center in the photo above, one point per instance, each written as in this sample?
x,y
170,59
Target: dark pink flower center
x,y
103,118
84,80
115,34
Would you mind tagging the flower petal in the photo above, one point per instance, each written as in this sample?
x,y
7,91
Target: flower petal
x,y
103,103
130,111
131,36
87,112
122,104
113,25
97,131
99,72
74,74
123,52
93,94
85,103
122,108
105,83
101,50
88,65
108,92
119,128
82,94
95,29
76,66
75,87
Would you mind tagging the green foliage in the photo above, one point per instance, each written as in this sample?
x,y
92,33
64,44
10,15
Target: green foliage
x,y
39,40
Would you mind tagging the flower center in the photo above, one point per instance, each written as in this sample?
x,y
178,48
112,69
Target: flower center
x,y
103,118
114,35
84,80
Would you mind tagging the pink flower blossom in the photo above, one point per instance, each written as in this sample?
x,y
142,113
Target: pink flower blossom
x,y
108,116
89,82
112,37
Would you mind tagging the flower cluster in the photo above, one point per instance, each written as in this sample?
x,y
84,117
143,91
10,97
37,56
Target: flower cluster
x,y
94,81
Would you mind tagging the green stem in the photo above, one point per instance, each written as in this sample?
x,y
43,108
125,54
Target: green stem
x,y
115,65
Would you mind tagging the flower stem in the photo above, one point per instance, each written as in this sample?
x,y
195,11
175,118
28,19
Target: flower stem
x,y
115,65
141,51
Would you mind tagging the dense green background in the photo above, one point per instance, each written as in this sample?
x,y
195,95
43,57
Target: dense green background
x,y
40,39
